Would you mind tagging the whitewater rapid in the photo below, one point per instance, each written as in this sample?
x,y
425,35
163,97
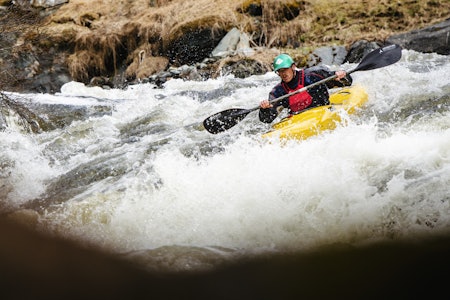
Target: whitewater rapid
x,y
148,176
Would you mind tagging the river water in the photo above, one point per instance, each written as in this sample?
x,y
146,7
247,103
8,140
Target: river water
x,y
148,183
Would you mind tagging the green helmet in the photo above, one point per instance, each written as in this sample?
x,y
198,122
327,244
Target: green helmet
x,y
282,61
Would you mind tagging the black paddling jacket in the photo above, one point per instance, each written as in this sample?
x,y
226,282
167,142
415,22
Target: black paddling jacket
x,y
319,93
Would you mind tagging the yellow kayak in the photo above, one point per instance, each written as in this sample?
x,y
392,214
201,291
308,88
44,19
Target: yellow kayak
x,y
315,120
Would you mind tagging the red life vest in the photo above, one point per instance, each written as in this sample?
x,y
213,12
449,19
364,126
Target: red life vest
x,y
301,100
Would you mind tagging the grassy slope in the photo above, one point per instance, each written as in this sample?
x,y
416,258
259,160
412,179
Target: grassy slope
x,y
99,34
318,22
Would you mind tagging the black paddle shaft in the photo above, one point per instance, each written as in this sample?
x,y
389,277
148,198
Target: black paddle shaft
x,y
378,58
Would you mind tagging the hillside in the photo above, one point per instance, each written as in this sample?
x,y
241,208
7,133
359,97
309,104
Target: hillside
x,y
89,38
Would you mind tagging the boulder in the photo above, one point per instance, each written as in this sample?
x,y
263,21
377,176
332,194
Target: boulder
x,y
227,44
435,38
193,46
234,42
359,49
38,3
47,3
334,55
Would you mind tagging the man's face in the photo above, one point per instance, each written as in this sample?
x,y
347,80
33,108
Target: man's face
x,y
286,74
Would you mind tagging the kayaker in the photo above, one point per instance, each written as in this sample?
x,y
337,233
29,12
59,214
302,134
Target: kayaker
x,y
293,79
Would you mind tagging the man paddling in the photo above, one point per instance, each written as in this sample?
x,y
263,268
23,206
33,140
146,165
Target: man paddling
x,y
378,58
293,79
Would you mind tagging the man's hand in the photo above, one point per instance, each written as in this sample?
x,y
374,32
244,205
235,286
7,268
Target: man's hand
x,y
265,104
340,74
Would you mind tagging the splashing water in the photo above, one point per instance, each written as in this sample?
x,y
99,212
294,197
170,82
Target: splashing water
x,y
147,176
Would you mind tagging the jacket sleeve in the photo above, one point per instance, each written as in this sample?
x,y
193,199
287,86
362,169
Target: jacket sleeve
x,y
346,81
320,93
267,115
324,72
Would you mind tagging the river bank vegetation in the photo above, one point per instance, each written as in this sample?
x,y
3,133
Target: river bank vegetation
x,y
89,38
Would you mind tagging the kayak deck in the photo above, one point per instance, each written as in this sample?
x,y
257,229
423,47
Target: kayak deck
x,y
318,119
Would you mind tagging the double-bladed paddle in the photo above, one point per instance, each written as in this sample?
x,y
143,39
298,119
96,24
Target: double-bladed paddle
x,y
378,58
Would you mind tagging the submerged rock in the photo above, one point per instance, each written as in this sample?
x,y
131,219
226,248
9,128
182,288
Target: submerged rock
x,y
30,116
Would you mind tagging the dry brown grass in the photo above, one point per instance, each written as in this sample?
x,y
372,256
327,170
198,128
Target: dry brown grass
x,y
112,31
345,21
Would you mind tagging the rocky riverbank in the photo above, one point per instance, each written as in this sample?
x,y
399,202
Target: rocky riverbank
x,y
48,43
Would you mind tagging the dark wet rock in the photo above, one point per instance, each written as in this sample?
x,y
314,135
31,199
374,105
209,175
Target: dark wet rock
x,y
359,49
435,38
50,81
101,81
244,67
193,46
